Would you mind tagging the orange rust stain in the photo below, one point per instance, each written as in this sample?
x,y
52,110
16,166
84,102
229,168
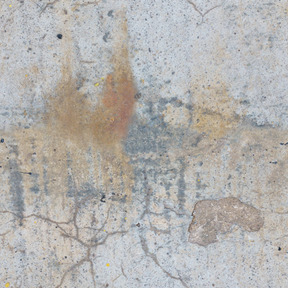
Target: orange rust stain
x,y
119,103
71,115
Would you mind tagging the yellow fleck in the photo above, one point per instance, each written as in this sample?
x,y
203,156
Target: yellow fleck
x,y
125,218
35,222
107,264
104,230
102,78
142,80
7,284
26,75
97,84
9,6
198,180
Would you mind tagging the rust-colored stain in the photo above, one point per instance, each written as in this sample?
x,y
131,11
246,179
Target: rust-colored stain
x,y
79,138
72,115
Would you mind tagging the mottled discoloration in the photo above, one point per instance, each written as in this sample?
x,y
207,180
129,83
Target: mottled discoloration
x,y
16,189
85,128
214,109
71,115
213,217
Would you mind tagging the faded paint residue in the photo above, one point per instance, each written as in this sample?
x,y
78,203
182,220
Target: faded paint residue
x,y
214,109
212,217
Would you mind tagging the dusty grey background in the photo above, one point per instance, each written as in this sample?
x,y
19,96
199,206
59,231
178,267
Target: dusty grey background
x,y
193,106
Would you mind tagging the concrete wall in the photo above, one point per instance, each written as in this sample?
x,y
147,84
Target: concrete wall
x,y
121,119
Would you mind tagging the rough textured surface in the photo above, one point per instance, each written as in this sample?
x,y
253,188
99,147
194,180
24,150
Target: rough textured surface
x,y
211,217
117,117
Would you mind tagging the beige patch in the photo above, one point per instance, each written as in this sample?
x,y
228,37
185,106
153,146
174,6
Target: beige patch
x,y
177,116
214,110
212,217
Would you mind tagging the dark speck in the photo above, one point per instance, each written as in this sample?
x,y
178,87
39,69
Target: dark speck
x,y
137,96
106,36
110,13
59,36
138,224
103,199
2,140
279,249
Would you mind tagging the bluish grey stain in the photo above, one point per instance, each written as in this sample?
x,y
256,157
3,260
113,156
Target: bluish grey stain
x,y
181,184
45,176
35,188
71,192
16,187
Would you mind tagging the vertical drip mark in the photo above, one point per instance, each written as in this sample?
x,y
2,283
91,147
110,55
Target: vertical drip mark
x,y
16,187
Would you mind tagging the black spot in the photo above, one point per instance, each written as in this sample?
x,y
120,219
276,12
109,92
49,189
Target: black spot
x,y
279,249
137,96
2,140
106,36
59,36
138,224
103,198
284,143
110,13
273,162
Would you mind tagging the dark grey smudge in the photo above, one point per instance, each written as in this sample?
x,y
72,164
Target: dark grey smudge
x,y
45,176
16,187
181,184
106,36
152,134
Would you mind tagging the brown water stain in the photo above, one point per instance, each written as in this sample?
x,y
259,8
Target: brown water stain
x,y
71,115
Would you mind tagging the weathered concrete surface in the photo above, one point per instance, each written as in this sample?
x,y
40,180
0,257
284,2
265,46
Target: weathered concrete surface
x,y
118,119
